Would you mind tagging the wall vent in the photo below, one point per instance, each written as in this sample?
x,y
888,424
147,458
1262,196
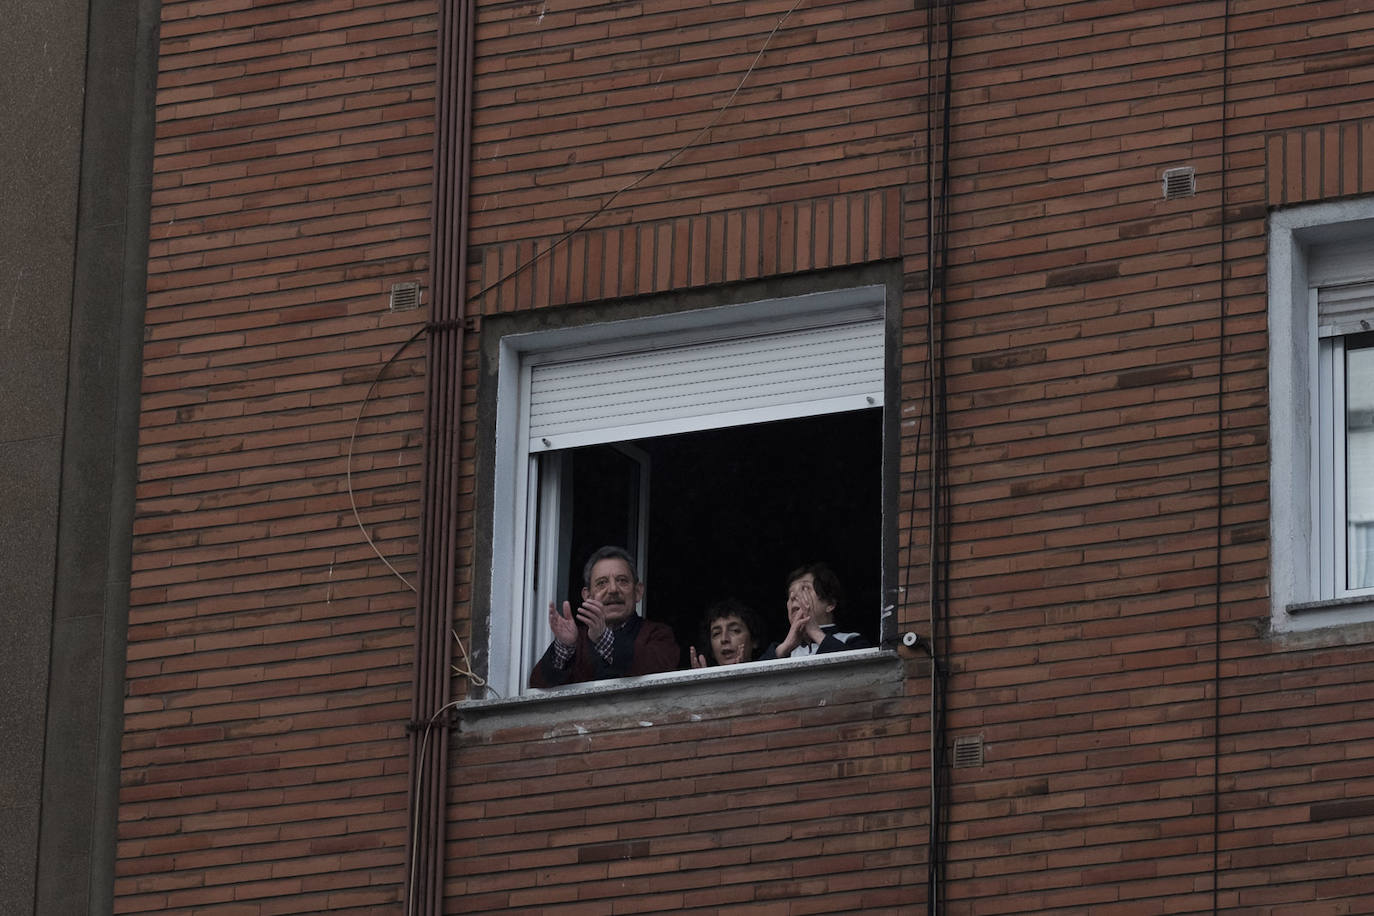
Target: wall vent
x,y
405,296
968,751
1180,182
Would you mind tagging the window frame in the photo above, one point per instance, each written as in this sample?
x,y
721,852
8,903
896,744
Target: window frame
x,y
513,516
1334,444
1307,541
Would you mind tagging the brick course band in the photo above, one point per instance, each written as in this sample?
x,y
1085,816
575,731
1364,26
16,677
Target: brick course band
x,y
702,250
1311,164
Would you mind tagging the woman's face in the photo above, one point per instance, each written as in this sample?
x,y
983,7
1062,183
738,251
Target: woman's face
x,y
731,641
803,597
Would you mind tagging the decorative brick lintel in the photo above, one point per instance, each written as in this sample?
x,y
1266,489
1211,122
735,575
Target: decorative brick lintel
x,y
1319,163
702,250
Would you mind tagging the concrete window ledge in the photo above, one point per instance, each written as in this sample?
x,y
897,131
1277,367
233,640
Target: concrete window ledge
x,y
675,694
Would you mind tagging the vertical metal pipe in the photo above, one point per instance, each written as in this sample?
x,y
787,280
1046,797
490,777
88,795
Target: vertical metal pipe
x,y
441,487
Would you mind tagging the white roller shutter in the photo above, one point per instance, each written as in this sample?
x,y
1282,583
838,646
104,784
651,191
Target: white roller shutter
x,y
1345,309
1343,275
706,385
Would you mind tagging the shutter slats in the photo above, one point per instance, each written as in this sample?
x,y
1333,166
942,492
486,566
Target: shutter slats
x,y
1346,309
706,385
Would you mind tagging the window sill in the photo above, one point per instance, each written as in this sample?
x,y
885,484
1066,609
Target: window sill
x,y
638,700
1307,616
1307,607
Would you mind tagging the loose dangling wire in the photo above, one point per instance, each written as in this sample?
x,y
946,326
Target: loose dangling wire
x,y
530,262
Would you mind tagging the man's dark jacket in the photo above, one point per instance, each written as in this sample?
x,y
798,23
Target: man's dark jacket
x,y
641,647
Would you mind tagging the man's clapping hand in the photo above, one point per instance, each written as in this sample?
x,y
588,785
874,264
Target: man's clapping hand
x,y
591,614
563,626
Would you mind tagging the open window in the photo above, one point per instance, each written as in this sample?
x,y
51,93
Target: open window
x,y
722,446
586,498
1321,312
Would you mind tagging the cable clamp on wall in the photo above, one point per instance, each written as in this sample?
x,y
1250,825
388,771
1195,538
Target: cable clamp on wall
x,y
436,721
449,324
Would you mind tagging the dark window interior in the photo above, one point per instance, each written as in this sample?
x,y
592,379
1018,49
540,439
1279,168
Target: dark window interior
x,y
733,511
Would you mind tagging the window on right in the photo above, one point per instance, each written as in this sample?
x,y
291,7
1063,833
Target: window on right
x,y
1321,419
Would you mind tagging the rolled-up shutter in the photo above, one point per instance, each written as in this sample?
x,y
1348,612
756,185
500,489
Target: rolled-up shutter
x,y
706,385
1343,275
1346,309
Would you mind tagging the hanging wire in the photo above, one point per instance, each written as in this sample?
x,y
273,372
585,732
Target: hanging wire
x,y
348,459
466,671
940,519
1221,463
428,729
530,262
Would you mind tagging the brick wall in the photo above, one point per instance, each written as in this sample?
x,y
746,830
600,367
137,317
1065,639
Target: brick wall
x,y
264,765
785,803
807,803
1099,512
1147,741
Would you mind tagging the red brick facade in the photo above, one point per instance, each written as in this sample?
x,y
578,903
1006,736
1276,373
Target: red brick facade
x,y
1150,746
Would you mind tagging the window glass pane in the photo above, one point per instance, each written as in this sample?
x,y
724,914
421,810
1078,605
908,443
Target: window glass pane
x,y
603,483
1359,461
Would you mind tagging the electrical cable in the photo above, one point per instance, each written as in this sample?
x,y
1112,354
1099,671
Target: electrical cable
x,y
516,271
940,518
1221,463
419,774
530,262
904,591
466,671
348,456
933,814
936,254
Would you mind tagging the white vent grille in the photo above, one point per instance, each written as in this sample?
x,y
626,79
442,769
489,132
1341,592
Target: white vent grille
x,y
405,296
1180,182
968,751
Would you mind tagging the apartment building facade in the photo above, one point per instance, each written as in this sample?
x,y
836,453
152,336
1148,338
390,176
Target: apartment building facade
x,y
1046,325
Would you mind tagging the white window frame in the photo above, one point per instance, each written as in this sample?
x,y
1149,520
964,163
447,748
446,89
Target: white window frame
x,y
518,632
1311,247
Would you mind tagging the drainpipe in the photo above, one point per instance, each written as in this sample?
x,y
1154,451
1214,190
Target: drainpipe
x,y
429,732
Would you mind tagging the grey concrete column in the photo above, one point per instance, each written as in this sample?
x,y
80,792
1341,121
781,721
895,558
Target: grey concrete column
x,y
76,82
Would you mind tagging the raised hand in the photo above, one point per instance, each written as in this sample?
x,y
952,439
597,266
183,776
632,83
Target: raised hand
x,y
563,626
698,661
810,607
800,618
592,613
